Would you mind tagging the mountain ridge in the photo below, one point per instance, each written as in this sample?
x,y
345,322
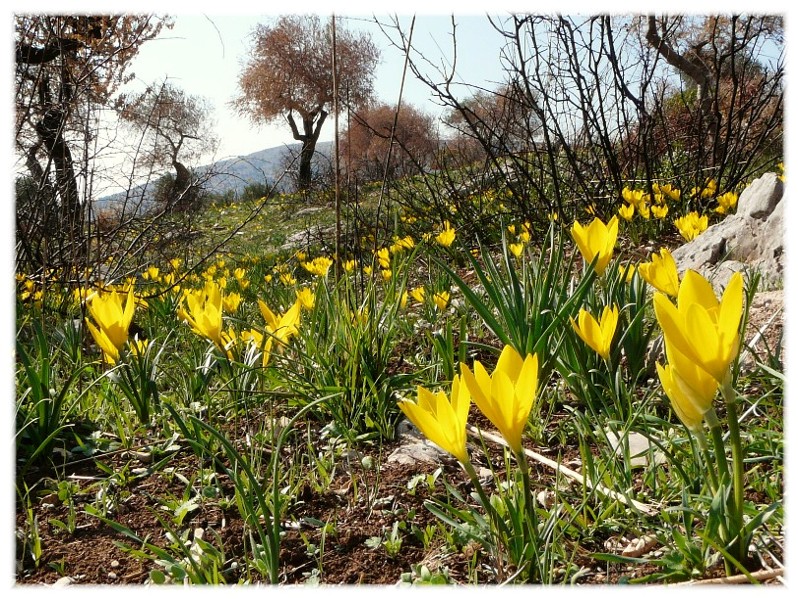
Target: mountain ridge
x,y
227,175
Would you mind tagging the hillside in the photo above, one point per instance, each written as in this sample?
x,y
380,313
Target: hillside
x,y
230,174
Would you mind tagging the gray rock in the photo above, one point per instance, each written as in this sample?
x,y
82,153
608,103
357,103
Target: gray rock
x,y
417,452
415,448
759,199
315,234
750,240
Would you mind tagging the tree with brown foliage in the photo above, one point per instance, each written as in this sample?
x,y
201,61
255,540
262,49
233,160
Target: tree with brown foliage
x,y
502,120
290,72
365,143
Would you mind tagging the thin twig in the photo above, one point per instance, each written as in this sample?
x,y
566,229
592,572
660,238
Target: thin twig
x,y
646,509
759,576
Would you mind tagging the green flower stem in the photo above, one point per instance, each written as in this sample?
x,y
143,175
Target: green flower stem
x,y
529,501
499,526
722,471
720,449
702,444
730,399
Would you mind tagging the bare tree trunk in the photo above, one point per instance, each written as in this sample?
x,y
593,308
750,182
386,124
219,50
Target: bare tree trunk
x,y
308,139
50,132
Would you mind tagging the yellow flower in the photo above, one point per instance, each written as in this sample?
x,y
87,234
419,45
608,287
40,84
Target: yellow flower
x,y
597,334
228,342
690,388
626,212
628,272
350,265
203,312
661,273
596,240
710,188
516,249
318,266
406,243
632,197
699,326
239,273
441,300
281,328
256,338
306,297
386,275
691,225
418,294
667,190
660,212
506,396
112,322
384,257
511,229
287,279
442,421
231,301
151,273
726,202
446,237
138,347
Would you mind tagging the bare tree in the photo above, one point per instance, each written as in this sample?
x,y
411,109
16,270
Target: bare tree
x,y
619,100
502,119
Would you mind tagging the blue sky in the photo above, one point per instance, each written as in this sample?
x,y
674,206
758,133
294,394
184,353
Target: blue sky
x,y
204,54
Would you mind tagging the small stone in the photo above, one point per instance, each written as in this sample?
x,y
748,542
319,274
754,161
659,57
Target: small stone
x,y
640,546
639,448
546,499
51,499
112,575
485,476
63,581
115,563
145,457
418,452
